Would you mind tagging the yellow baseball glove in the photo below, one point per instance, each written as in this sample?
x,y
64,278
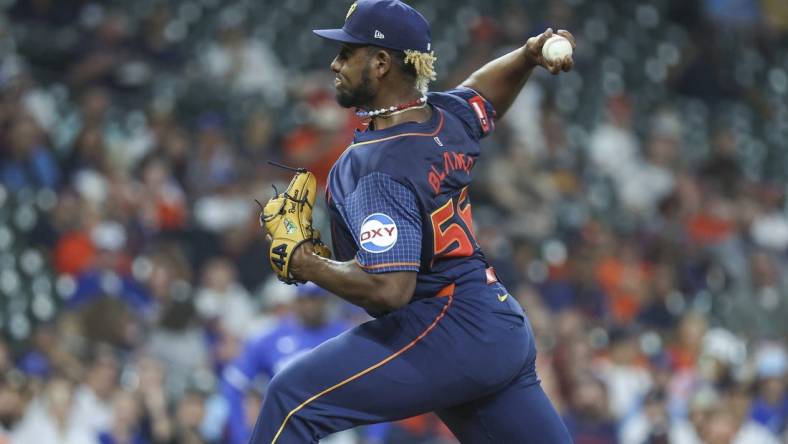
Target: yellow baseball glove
x,y
288,219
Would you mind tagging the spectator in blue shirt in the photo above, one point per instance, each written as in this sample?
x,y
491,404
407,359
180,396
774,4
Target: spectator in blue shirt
x,y
308,326
770,407
28,162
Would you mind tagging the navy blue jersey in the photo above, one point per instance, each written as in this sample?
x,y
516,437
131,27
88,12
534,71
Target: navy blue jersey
x,y
398,197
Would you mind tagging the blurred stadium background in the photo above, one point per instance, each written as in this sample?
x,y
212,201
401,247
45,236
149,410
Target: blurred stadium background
x,y
635,206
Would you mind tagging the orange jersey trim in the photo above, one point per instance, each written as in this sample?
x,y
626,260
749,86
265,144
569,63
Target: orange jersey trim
x,y
447,291
432,134
373,367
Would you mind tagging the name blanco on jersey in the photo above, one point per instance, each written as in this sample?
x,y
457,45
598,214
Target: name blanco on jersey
x,y
378,233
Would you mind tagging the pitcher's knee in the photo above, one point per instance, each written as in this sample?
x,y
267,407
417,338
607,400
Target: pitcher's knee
x,y
287,412
280,396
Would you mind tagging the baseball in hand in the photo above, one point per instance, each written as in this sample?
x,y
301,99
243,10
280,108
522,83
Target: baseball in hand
x,y
556,48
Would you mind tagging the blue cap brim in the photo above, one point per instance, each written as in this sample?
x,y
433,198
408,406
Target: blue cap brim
x,y
338,35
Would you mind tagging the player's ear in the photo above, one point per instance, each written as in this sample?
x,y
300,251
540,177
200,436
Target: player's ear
x,y
381,62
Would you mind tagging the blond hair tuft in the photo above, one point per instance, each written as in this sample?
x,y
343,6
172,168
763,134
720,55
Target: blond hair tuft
x,y
424,62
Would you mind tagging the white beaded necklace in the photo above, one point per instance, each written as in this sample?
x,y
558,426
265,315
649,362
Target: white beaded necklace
x,y
394,110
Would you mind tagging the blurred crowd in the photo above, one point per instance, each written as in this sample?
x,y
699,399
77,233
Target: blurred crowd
x,y
636,207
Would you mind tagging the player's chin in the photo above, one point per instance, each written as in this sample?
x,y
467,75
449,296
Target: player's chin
x,y
343,99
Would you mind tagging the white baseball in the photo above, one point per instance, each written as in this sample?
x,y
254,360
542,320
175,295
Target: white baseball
x,y
556,48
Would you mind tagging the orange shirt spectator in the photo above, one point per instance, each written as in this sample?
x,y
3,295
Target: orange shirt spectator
x,y
625,283
74,253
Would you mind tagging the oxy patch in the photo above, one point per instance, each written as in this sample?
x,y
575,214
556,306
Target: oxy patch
x,y
378,233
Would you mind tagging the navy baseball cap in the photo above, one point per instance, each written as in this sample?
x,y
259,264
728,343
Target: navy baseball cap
x,y
386,23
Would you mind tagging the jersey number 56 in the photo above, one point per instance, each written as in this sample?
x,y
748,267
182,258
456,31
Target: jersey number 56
x,y
452,228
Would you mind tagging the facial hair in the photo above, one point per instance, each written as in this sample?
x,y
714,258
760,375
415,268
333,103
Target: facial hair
x,y
359,96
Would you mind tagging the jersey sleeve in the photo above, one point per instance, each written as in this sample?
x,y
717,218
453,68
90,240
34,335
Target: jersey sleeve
x,y
383,216
475,111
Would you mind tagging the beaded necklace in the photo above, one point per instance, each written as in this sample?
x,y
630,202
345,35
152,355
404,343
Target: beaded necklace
x,y
393,110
